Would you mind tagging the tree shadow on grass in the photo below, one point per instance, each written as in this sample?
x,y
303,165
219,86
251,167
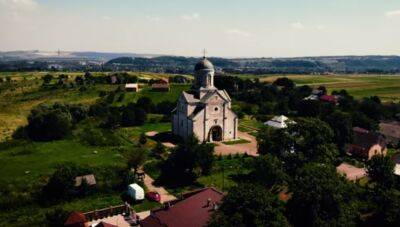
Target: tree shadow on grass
x,y
165,137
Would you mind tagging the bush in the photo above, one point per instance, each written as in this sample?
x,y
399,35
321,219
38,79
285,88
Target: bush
x,y
47,123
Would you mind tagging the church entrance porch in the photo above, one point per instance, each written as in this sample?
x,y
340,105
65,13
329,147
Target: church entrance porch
x,y
215,134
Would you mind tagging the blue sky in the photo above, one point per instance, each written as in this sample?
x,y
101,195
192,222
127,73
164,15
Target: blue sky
x,y
229,28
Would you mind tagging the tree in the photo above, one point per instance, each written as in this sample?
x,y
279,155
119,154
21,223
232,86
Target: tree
x,y
146,104
136,159
341,124
60,186
128,116
56,217
188,160
381,169
285,82
268,171
321,197
47,123
159,149
250,205
79,80
142,139
47,79
309,140
140,116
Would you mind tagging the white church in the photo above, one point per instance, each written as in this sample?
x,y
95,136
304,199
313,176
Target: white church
x,y
207,112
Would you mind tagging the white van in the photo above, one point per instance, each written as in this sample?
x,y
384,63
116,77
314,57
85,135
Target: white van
x,y
136,192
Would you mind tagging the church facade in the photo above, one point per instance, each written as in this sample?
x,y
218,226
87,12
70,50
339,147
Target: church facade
x,y
206,112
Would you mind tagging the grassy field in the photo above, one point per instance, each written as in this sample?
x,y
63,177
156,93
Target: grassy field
x,y
387,87
17,99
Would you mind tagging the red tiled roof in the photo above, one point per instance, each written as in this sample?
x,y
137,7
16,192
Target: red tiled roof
x,y
192,210
104,224
328,98
75,219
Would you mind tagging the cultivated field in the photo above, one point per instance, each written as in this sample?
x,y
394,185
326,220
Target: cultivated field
x,y
387,87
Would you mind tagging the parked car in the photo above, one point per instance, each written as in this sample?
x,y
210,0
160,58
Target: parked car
x,y
153,196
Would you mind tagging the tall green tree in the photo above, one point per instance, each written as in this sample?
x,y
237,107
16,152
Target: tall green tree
x,y
250,205
321,197
381,170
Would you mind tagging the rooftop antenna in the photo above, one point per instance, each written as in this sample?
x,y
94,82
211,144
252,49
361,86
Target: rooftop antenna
x,y
204,53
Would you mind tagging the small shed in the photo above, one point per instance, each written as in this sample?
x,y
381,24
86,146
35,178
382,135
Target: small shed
x,y
135,192
132,87
90,180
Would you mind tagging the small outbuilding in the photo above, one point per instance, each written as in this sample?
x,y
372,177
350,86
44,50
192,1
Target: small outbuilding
x,y
161,85
132,87
135,192
89,179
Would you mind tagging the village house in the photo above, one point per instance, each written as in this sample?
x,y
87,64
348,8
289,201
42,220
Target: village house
x,y
193,209
391,130
161,85
366,144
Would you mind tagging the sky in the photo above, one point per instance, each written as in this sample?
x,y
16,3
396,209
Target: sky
x,y
225,28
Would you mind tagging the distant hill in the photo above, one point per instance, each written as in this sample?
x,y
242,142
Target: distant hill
x,y
78,61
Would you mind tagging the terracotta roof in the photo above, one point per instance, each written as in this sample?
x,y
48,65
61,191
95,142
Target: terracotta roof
x,y
75,219
104,224
192,210
329,98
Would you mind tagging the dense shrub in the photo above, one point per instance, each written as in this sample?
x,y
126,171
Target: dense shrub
x,y
47,123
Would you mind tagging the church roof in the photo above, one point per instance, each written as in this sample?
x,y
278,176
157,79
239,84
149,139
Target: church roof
x,y
222,93
204,64
189,97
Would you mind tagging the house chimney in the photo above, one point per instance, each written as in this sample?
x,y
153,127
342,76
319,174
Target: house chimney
x,y
208,202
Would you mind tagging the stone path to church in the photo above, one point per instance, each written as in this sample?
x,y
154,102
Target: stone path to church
x,y
249,148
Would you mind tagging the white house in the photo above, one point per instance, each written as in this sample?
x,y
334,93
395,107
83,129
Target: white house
x,y
135,192
279,122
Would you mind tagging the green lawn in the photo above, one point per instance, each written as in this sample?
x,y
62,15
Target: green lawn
x,y
239,141
26,163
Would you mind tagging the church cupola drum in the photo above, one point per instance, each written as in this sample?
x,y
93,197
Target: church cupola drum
x,y
206,112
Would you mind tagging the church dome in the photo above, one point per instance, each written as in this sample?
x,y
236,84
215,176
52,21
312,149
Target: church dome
x,y
204,64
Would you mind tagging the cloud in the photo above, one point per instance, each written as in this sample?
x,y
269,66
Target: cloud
x,y
392,14
238,32
19,5
153,18
297,26
190,17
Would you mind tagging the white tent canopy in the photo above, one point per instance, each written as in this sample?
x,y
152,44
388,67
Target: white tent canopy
x,y
279,122
136,192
